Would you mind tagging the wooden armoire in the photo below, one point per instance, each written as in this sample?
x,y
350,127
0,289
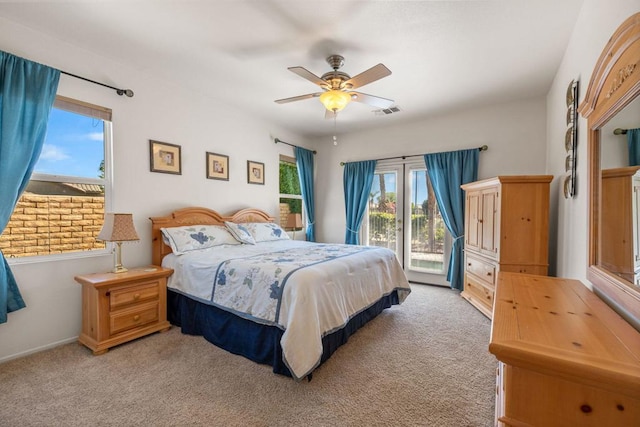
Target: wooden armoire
x,y
506,229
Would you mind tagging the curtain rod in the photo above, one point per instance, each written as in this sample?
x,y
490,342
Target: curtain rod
x,y
483,148
282,142
120,92
619,131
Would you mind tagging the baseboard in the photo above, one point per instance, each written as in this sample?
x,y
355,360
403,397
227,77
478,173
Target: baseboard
x,y
38,349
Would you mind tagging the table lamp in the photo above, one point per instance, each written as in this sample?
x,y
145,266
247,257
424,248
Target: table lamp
x,y
118,228
294,222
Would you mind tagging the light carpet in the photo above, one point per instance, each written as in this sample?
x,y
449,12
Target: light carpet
x,y
422,363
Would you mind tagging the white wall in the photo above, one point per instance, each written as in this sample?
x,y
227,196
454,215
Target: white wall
x,y
514,132
162,111
596,23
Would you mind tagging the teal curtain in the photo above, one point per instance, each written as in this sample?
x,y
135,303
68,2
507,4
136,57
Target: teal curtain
x,y
27,92
358,177
633,141
304,162
447,172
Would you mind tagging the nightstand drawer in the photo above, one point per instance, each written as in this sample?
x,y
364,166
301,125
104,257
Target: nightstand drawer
x,y
137,316
485,271
134,294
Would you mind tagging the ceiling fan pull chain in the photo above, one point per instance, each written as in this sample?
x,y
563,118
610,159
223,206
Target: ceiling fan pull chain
x,y
335,126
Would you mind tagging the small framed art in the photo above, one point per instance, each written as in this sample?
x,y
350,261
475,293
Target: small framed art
x,y
217,166
255,172
165,157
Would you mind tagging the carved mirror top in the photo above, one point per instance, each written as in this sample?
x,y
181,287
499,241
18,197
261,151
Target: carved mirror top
x,y
615,73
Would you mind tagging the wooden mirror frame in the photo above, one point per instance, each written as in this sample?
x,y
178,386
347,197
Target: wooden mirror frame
x,y
615,82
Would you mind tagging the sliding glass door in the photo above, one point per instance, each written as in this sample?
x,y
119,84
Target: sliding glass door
x,y
404,217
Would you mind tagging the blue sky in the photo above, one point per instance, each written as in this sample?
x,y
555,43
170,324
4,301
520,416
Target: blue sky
x,y
418,181
73,145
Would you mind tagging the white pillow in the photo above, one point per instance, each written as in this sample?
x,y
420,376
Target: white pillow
x,y
194,237
240,232
266,231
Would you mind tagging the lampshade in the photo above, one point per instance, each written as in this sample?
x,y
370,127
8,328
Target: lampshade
x,y
335,100
118,227
294,221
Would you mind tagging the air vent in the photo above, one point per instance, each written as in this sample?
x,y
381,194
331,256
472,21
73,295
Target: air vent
x,y
387,111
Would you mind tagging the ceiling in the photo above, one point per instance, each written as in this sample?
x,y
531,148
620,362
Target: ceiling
x,y
444,55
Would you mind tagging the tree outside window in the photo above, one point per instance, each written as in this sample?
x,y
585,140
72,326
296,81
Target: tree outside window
x,y
290,192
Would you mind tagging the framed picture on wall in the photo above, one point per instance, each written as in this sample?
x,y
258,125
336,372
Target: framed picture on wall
x,y
217,166
165,157
255,172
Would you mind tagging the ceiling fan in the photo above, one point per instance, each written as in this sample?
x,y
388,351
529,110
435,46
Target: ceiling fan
x,y
338,86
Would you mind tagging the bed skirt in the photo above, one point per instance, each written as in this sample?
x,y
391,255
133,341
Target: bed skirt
x,y
257,342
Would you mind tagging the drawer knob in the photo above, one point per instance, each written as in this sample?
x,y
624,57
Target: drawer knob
x,y
136,297
489,274
136,317
585,408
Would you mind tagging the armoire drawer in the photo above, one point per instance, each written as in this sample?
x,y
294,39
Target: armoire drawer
x,y
479,292
484,271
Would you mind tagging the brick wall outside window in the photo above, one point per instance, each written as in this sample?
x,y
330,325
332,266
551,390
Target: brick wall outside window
x,y
49,224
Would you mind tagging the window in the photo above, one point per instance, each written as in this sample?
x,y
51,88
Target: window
x,y
62,208
290,195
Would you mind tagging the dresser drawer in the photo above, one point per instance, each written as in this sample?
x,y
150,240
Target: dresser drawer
x,y
479,292
146,291
134,317
484,271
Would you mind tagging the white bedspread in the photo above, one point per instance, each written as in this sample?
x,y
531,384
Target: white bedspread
x,y
317,299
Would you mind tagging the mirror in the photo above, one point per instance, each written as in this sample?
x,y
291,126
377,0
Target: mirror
x,y
618,239
612,101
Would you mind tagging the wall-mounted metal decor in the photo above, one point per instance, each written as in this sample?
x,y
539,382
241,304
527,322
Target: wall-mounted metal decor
x,y
571,140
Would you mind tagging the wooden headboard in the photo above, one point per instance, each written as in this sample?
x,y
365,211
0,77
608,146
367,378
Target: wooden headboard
x,y
195,216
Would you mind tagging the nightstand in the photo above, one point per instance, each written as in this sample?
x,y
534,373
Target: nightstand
x,y
120,307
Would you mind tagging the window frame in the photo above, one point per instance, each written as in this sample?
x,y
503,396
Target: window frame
x,y
104,114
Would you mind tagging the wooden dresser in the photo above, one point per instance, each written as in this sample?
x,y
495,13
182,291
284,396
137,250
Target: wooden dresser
x,y
506,229
619,220
119,307
565,358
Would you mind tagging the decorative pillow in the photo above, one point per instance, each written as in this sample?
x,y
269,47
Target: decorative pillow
x,y
266,231
194,237
240,232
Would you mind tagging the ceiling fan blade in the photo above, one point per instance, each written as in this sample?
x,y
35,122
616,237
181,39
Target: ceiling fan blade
x,y
374,101
298,98
306,74
371,75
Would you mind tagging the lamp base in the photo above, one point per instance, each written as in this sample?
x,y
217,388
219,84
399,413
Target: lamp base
x,y
118,268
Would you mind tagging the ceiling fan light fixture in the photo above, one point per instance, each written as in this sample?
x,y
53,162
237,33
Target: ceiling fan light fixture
x,y
335,100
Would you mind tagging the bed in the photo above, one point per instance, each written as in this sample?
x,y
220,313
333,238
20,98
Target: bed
x,y
281,302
